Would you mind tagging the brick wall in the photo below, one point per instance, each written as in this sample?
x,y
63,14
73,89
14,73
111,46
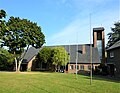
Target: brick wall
x,y
30,64
81,68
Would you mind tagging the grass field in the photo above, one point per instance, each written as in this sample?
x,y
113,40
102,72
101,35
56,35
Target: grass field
x,y
38,82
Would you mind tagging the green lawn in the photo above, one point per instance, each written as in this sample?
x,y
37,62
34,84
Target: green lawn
x,y
38,82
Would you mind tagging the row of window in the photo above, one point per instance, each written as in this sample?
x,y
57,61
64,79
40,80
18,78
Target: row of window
x,y
79,67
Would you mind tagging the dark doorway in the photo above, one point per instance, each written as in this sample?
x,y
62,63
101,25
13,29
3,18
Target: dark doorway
x,y
112,67
24,67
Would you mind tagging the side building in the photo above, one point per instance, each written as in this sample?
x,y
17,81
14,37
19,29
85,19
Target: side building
x,y
113,59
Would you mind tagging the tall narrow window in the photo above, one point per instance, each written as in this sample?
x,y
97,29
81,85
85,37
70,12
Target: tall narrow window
x,y
89,67
71,67
77,67
81,67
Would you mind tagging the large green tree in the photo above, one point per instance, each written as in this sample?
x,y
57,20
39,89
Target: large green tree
x,y
60,57
53,57
44,56
21,33
114,36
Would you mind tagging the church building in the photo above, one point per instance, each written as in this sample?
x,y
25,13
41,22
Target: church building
x,y
79,53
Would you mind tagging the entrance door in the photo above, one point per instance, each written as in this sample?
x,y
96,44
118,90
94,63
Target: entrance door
x,y
24,67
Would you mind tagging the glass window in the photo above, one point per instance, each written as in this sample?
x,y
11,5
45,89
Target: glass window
x,y
81,67
71,67
99,46
89,67
99,35
111,54
77,67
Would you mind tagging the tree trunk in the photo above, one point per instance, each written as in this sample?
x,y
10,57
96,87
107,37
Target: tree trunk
x,y
19,65
16,64
55,68
21,59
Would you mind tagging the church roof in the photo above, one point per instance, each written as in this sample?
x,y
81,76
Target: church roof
x,y
73,50
116,45
30,54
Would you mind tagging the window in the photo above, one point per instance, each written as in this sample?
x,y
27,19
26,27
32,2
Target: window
x,y
111,54
81,67
77,67
71,67
99,35
99,46
89,67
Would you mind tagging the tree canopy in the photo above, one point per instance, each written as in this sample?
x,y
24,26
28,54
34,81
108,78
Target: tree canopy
x,y
2,22
18,34
44,55
22,33
114,36
6,60
56,56
60,56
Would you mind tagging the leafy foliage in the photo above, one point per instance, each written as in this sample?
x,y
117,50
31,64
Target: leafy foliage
x,y
20,33
60,56
2,22
44,55
6,60
56,56
114,36
2,13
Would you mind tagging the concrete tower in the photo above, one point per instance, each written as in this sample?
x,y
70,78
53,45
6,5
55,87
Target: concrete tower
x,y
99,42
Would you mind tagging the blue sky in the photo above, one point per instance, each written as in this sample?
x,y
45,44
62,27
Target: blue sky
x,y
65,21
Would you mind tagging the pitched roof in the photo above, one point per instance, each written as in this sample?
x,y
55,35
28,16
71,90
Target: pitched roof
x,y
116,45
30,54
72,50
82,58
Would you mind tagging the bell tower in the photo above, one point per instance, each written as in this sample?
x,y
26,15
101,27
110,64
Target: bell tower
x,y
99,42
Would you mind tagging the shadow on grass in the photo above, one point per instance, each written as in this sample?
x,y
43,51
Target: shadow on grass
x,y
103,78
